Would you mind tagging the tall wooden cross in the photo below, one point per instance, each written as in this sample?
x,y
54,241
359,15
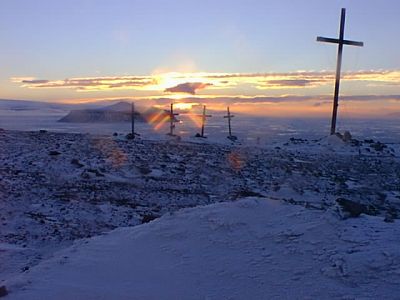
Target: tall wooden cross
x,y
172,120
341,41
204,116
229,117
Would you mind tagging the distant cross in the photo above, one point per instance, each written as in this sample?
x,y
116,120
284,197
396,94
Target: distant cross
x,y
172,120
341,41
204,116
133,119
229,117
133,133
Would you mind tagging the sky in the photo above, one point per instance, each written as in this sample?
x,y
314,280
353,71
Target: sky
x,y
259,56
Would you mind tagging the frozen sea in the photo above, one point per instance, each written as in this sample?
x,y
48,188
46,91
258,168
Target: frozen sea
x,y
249,129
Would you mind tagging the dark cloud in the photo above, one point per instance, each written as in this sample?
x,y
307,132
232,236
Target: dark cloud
x,y
188,87
82,84
35,81
293,83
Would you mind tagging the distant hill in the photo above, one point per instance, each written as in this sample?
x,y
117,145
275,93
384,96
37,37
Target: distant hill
x,y
26,105
115,113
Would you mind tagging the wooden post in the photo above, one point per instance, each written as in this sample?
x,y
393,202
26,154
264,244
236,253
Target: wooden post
x,y
341,41
172,120
203,121
133,120
229,117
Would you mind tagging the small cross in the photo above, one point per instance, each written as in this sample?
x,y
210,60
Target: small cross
x,y
229,117
172,120
133,133
341,41
204,116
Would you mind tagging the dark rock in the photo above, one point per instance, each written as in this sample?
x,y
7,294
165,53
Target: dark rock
x,y
76,162
53,153
115,134
298,140
144,170
391,215
347,136
354,209
3,291
339,135
355,142
24,269
378,146
148,218
388,219
129,136
96,172
247,193
43,131
232,138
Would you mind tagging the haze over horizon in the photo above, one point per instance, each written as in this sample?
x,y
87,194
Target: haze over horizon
x,y
259,56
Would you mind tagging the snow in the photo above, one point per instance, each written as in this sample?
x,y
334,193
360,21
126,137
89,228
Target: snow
x,y
73,202
254,248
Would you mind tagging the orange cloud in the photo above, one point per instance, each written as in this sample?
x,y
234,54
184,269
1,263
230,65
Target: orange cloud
x,y
191,82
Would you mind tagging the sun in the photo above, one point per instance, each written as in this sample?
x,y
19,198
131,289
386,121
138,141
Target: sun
x,y
183,106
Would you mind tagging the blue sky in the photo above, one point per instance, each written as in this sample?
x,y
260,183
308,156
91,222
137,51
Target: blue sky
x,y
55,40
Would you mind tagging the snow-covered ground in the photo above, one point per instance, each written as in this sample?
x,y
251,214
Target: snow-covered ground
x,y
59,188
253,248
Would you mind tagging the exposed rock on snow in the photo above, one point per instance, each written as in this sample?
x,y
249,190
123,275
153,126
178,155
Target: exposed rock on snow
x,y
3,291
355,209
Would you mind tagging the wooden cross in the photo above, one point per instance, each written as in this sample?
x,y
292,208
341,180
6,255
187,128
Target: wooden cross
x,y
172,120
133,119
341,41
203,121
133,133
229,117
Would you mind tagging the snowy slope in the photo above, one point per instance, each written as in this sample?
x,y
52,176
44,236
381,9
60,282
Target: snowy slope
x,y
56,188
249,249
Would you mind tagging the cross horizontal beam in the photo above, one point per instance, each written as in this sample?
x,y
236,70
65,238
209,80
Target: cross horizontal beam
x,y
338,41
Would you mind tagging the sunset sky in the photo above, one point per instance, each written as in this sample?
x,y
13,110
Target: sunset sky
x,y
260,56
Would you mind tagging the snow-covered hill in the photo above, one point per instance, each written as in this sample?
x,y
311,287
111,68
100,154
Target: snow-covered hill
x,y
249,249
58,188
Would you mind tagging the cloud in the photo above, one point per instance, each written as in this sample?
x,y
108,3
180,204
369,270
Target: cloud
x,y
293,83
89,84
35,81
188,87
190,83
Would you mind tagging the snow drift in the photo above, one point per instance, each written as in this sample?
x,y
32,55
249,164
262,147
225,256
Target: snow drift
x,y
249,249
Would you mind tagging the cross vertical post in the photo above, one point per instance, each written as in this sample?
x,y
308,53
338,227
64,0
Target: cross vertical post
x,y
341,41
203,120
133,119
229,116
172,120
